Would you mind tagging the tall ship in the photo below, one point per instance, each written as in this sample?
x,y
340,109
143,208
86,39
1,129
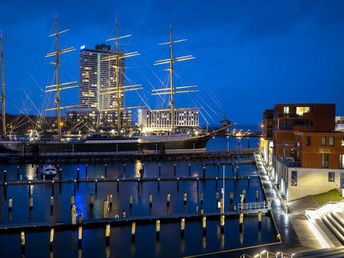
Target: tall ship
x,y
99,144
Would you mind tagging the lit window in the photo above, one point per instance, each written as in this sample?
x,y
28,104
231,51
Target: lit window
x,y
341,161
293,178
301,110
286,110
324,160
331,176
342,142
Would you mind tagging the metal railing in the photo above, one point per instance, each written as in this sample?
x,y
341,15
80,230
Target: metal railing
x,y
254,206
268,254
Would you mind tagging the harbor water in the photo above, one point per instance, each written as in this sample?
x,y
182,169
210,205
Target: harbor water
x,y
163,181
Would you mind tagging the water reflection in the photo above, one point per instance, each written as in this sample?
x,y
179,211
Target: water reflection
x,y
138,167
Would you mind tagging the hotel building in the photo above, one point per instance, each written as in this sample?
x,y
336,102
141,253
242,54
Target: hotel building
x,y
159,120
97,73
302,147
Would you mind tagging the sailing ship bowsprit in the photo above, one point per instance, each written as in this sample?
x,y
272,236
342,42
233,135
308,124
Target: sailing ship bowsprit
x,y
108,145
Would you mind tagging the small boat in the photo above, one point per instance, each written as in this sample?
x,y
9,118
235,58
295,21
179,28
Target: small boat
x,y
48,171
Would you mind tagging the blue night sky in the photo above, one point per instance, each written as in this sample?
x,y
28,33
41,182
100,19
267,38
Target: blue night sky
x,y
249,54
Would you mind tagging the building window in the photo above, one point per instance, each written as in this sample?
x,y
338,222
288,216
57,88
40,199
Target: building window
x,y
323,140
286,110
331,176
301,110
331,141
293,178
341,161
308,141
342,142
324,160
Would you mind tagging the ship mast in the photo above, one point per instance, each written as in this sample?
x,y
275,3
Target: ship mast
x,y
172,89
3,111
119,89
57,86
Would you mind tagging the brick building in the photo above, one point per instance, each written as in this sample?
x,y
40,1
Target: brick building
x,y
304,150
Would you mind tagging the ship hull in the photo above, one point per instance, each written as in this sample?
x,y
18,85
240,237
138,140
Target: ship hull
x,y
108,147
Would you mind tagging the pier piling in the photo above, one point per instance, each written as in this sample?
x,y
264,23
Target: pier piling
x,y
73,215
241,221
22,242
168,199
10,204
51,203
107,234
150,200
133,231
182,227
222,223
204,225
157,229
51,239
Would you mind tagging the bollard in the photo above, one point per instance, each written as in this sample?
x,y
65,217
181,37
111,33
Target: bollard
x,y
10,204
131,201
157,229
73,215
107,234
51,238
150,200
189,169
17,173
105,209
78,174
241,221
51,202
22,242
182,227
133,231
72,200
174,170
259,220
248,181
159,170
204,225
79,236
222,223
185,198
96,185
30,202
105,170
117,185
168,199
91,201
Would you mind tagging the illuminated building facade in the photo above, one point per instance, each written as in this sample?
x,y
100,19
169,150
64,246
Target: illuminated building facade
x,y
301,145
97,73
159,120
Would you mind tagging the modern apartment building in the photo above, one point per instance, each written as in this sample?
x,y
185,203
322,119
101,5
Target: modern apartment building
x,y
159,120
305,151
